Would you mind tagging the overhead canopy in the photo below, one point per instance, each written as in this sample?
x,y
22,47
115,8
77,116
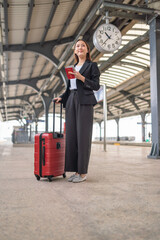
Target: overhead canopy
x,y
36,43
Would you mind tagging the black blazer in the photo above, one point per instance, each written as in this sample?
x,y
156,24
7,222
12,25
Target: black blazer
x,y
85,89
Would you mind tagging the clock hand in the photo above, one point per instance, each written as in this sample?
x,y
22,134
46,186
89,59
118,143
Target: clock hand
x,y
105,41
108,35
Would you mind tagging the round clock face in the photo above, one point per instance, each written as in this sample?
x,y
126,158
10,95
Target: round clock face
x,y
107,38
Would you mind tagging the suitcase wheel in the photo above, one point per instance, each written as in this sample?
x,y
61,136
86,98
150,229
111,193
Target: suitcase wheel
x,y
50,179
38,177
64,175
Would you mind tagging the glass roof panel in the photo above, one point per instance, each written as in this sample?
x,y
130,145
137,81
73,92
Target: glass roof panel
x,y
131,66
113,78
146,46
124,68
143,50
103,59
124,42
142,56
121,71
118,74
141,25
109,84
107,54
136,32
131,61
113,75
137,59
128,37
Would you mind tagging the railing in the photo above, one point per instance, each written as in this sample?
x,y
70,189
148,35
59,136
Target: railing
x,y
125,138
19,136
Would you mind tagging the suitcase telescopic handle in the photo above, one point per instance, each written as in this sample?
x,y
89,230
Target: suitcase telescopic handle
x,y
43,155
54,111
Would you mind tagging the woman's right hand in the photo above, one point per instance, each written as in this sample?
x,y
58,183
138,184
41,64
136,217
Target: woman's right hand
x,y
58,99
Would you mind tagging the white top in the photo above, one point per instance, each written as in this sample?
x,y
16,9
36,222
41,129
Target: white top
x,y
73,84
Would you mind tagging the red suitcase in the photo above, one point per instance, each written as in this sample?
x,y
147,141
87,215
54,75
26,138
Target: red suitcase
x,y
49,152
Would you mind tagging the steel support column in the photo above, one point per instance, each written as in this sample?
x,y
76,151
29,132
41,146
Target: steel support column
x,y
104,113
36,126
117,121
155,86
30,133
143,115
100,131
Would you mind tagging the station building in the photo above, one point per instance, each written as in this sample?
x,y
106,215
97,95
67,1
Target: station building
x,y
120,199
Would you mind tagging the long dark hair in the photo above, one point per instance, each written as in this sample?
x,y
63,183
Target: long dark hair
x,y
88,55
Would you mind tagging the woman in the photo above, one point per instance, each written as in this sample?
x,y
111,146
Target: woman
x,y
79,99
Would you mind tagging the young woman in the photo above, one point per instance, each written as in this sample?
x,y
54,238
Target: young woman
x,y
79,99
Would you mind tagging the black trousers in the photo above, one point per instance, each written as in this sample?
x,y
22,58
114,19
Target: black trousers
x,y
79,123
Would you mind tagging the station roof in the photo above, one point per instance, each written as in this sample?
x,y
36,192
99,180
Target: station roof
x,y
36,43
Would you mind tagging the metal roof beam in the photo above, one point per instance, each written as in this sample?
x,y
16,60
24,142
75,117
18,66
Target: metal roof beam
x,y
44,66
33,66
51,15
108,110
15,115
31,46
71,14
5,69
128,114
18,112
27,29
125,15
130,98
124,110
23,81
124,51
31,72
22,97
121,63
128,7
85,24
6,5
45,50
14,106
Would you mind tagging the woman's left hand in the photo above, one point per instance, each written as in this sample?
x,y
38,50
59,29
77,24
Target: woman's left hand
x,y
78,76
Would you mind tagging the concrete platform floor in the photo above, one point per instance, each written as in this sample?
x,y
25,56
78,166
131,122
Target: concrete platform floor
x,y
119,201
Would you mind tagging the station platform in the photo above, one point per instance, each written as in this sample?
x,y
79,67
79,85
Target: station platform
x,y
119,201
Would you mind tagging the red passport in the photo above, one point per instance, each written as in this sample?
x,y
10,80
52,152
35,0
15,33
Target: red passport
x,y
68,70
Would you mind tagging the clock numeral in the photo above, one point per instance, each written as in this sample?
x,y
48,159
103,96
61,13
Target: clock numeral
x,y
113,45
99,36
109,28
101,31
109,46
116,42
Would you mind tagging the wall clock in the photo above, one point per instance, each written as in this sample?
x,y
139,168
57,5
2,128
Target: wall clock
x,y
107,38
